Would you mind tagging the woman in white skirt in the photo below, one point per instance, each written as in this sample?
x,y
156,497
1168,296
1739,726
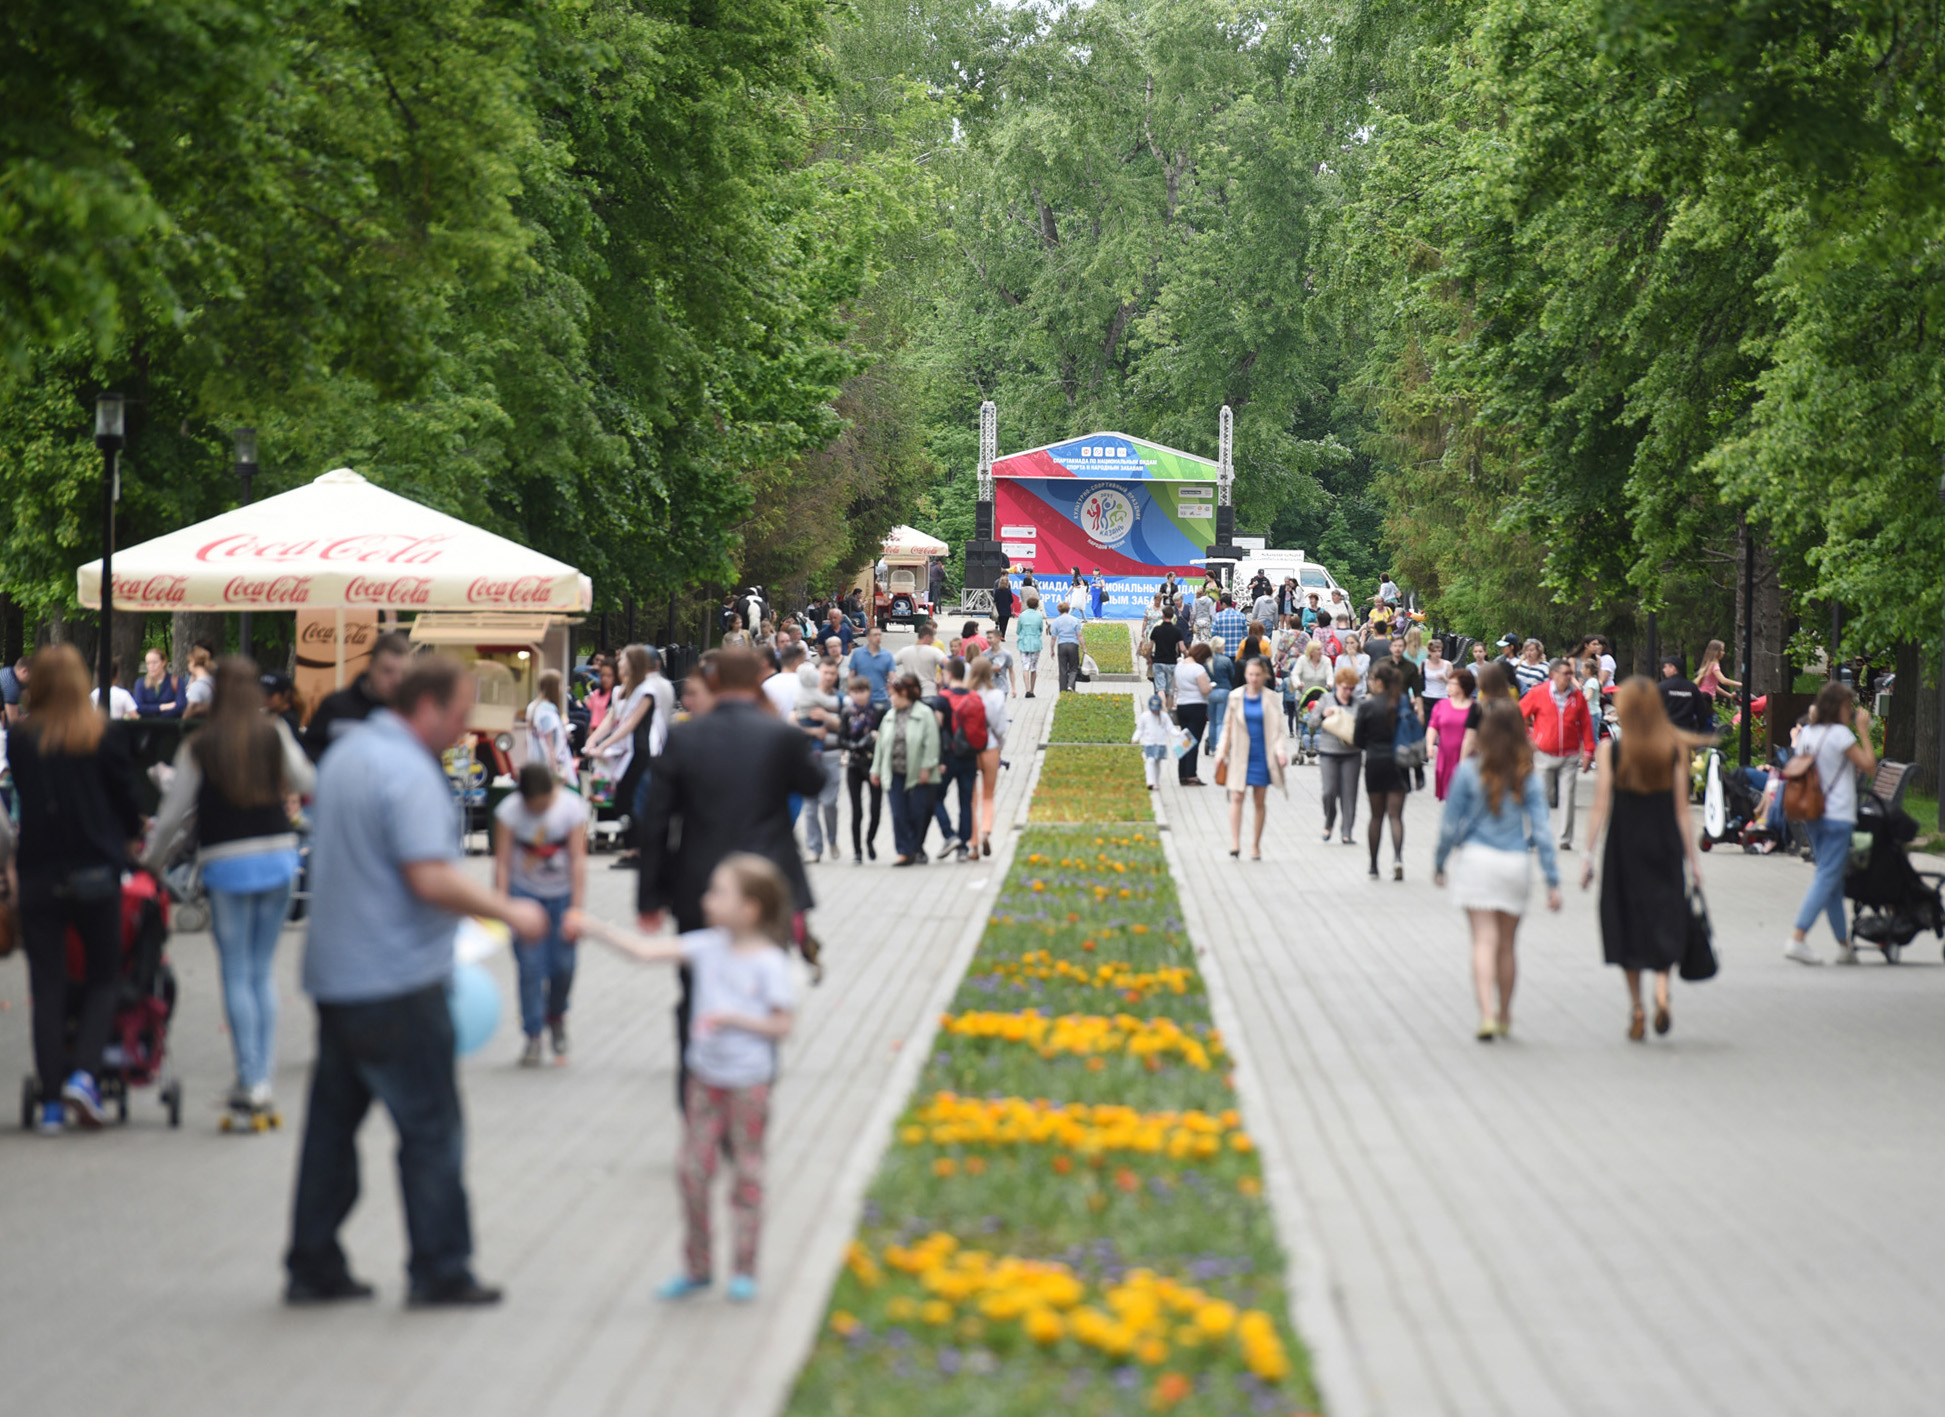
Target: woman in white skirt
x,y
1496,811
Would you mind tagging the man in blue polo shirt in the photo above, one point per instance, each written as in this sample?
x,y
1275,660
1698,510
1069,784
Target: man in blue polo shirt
x,y
1066,630
387,891
874,662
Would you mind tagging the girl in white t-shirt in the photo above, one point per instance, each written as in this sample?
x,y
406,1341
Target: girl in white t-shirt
x,y
1836,753
744,997
547,740
979,680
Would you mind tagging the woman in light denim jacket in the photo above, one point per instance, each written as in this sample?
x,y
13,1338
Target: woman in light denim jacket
x,y
1495,810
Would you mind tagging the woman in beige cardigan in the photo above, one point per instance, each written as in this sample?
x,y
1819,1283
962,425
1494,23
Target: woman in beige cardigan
x,y
1252,752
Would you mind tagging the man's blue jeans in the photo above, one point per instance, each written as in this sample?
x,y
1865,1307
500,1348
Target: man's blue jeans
x,y
964,772
247,927
1218,710
398,1051
546,966
1830,841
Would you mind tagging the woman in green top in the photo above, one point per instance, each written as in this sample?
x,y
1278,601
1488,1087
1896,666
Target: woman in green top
x,y
1029,631
907,759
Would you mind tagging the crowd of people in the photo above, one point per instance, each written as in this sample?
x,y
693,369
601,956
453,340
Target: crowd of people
x,y
728,799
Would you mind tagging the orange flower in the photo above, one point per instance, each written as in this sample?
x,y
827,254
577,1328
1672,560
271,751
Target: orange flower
x,y
1073,919
975,1165
1170,1389
1088,945
1094,1065
944,1166
1062,1164
1127,1180
1250,1186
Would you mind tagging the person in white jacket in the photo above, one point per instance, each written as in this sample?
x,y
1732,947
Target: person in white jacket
x,y
1154,732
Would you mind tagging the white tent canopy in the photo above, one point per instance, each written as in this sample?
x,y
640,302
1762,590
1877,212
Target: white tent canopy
x,y
338,543
908,541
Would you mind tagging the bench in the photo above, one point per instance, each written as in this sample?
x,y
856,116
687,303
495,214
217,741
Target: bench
x,y
1888,783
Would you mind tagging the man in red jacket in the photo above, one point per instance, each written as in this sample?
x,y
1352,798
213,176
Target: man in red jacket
x,y
1561,729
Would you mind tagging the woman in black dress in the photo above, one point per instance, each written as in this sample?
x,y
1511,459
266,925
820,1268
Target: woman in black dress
x,y
1641,796
1384,783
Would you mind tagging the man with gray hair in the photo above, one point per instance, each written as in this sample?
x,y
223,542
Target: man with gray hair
x,y
1561,729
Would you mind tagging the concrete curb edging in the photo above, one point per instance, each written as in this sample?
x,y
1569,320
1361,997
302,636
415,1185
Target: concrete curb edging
x,y
1313,1302
774,1373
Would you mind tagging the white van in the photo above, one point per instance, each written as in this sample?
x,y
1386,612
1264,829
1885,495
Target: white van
x,y
1283,565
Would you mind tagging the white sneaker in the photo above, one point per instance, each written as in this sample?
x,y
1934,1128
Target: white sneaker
x,y
1847,953
1800,951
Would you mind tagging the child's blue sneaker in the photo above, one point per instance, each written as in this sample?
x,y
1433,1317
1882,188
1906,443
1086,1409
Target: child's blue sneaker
x,y
742,1289
54,1119
681,1287
84,1100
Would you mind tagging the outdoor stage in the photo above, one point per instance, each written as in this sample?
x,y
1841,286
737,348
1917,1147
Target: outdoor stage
x,y
1130,509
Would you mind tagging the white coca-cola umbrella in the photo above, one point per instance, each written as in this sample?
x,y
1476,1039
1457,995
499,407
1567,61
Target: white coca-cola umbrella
x,y
338,543
908,541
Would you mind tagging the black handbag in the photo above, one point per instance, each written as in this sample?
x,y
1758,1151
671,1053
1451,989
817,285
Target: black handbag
x,y
1699,960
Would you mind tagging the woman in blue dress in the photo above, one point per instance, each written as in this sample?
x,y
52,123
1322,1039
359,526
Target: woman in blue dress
x,y
1251,753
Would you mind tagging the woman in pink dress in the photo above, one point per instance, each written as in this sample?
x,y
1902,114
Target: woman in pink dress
x,y
1448,728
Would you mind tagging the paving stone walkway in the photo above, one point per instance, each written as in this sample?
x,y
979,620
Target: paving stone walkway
x,y
143,1264
1731,1220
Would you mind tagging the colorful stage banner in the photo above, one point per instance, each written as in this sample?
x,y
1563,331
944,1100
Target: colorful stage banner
x,y
1109,457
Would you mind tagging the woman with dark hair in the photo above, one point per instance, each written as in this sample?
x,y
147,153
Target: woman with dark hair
x,y
1644,791
1447,731
1384,784
1497,808
1192,690
237,776
74,780
1836,746
906,764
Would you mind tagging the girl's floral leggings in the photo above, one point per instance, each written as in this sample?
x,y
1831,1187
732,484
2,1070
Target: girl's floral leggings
x,y
740,1113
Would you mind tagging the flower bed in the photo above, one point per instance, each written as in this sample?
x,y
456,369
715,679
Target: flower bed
x,y
1093,718
1110,644
1090,783
1070,1215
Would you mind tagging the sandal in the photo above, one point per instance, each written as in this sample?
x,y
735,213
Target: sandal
x,y
1662,1021
1637,1027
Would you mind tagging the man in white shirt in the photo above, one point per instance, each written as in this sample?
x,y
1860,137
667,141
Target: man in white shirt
x,y
1338,606
922,660
663,693
781,688
121,703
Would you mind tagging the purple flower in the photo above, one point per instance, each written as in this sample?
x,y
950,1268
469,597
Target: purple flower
x,y
949,1361
1127,1378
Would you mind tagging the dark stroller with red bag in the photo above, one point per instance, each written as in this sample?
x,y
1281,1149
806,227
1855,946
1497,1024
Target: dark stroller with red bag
x,y
144,1004
1892,901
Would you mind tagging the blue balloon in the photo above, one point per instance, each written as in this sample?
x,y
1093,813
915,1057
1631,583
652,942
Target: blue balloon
x,y
475,1002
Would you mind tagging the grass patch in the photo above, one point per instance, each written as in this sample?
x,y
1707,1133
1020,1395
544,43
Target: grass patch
x,y
1093,718
1077,1231
1090,783
1110,644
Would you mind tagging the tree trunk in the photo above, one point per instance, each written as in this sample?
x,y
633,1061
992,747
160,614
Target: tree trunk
x,y
1770,673
1925,750
13,631
1901,725
194,627
131,629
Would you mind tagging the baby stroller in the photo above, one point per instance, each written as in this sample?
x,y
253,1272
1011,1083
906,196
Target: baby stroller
x,y
144,1003
1732,806
1891,900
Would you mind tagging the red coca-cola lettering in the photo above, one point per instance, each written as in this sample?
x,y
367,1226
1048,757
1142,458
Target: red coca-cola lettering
x,y
155,590
401,590
270,590
522,590
390,549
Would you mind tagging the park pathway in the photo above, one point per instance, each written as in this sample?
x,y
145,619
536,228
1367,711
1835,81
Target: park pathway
x,y
1734,1220
143,1265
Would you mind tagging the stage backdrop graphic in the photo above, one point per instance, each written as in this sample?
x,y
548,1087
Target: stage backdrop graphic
x,y
1136,510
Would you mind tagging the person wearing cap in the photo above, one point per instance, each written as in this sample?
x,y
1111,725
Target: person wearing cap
x,y
280,700
1506,658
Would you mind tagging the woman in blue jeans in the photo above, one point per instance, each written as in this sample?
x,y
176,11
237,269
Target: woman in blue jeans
x,y
906,763
1836,741
239,775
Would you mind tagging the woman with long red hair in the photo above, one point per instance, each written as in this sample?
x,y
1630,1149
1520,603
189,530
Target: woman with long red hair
x,y
1641,797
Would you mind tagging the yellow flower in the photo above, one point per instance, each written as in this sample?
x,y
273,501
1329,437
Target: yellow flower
x,y
935,1311
911,1136
1239,1141
1043,1326
900,1309
843,1324
1216,1319
1152,1351
1250,1186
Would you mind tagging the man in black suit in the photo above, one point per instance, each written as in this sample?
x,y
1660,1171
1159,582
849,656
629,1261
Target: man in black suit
x,y
725,780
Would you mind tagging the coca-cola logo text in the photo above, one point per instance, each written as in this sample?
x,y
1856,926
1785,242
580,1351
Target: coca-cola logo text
x,y
401,590
152,590
522,590
323,633
370,548
269,590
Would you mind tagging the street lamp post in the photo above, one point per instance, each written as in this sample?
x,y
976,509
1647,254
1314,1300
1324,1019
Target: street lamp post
x,y
110,413
1938,784
246,468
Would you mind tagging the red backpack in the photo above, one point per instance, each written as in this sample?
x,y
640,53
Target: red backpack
x,y
968,712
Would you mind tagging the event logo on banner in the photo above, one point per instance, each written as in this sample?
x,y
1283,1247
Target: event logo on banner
x,y
1106,515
